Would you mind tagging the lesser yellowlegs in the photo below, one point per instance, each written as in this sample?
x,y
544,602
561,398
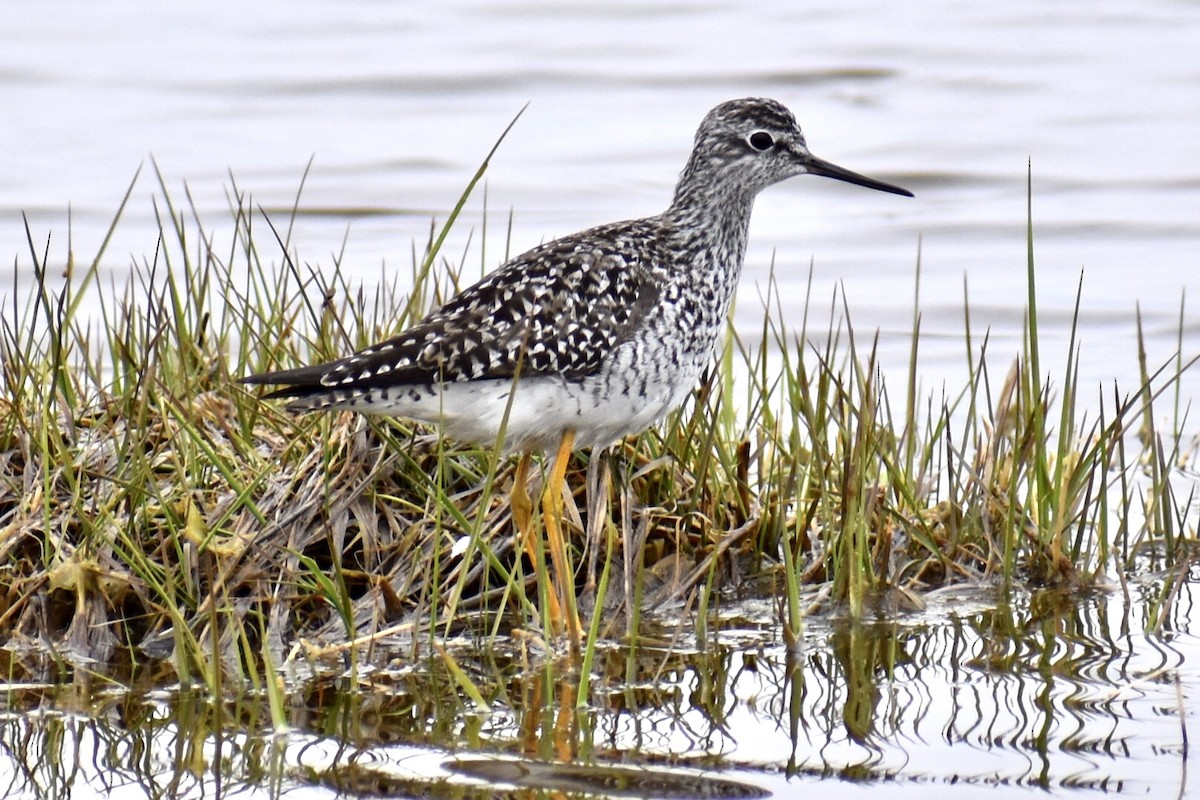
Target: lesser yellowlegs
x,y
588,338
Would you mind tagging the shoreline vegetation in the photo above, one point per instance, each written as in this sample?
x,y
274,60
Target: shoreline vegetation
x,y
153,510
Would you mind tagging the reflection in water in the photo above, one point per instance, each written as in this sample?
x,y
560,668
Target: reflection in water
x,y
1048,691
127,747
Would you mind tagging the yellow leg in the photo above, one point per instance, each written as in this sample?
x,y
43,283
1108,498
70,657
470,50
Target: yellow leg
x,y
522,511
552,514
522,506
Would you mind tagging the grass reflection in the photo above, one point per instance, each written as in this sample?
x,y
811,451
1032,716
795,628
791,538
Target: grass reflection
x,y
1041,690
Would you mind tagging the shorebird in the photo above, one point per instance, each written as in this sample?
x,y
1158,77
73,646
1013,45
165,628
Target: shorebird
x,y
586,339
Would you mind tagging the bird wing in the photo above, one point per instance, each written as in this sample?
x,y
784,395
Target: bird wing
x,y
561,308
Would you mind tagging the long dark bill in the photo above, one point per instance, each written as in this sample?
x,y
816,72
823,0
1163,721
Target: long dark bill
x,y
819,166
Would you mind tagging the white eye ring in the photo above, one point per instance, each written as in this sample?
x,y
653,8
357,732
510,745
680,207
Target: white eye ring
x,y
761,141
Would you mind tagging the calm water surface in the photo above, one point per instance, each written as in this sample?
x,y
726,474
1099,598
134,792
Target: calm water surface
x,y
396,104
1046,694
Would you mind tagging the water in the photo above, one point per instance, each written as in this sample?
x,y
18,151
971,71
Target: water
x,y
396,104
1048,693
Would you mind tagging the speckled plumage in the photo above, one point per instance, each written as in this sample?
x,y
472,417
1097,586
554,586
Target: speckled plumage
x,y
602,332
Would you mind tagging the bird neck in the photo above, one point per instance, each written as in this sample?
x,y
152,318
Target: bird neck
x,y
704,192
713,215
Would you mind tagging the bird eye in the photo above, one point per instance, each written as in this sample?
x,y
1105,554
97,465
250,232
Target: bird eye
x,y
761,141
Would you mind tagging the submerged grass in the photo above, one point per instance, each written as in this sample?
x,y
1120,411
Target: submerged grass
x,y
151,507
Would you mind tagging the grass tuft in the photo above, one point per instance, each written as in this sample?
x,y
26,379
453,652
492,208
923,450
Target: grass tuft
x,y
149,505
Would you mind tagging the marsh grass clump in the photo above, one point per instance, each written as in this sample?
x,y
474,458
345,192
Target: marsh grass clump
x,y
150,507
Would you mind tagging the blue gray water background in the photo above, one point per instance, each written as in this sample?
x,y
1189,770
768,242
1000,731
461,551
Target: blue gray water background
x,y
396,104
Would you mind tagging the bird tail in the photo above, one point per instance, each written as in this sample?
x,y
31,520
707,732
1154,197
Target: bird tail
x,y
302,386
